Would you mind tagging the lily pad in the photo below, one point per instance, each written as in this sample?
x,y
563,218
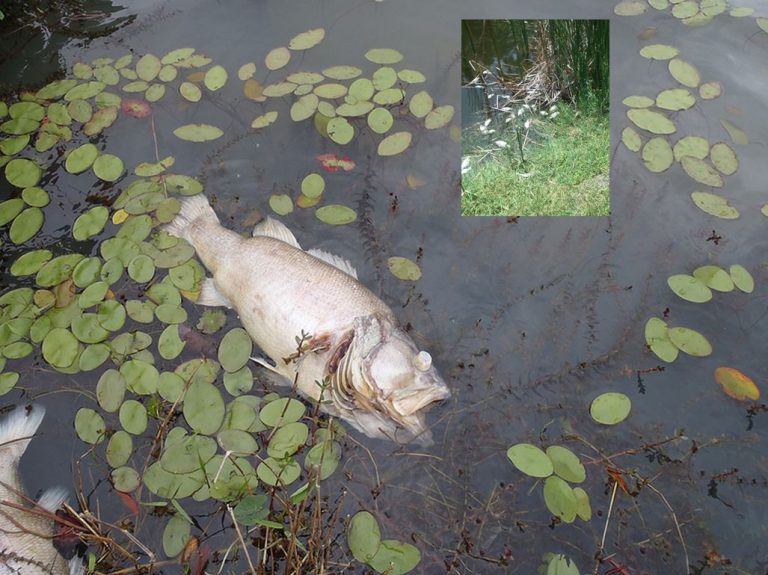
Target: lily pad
x,y
710,90
685,73
404,269
273,472
566,464
439,117
324,458
395,558
22,173
14,145
119,448
610,408
281,204
110,391
340,130
30,262
133,417
714,277
531,460
215,78
81,158
630,8
675,99
313,185
560,499
394,144
695,146
659,52
203,408
336,214
411,76
100,120
60,347
148,67
277,58
737,385
264,120
176,535
383,78
651,121
342,72
304,107
690,341
714,205
281,412
90,223
380,120
90,426
190,92
363,536
701,171
689,288
287,440
26,225
638,101
724,158
235,349
36,197
383,56
420,104
742,279
307,40
198,132
657,155
57,270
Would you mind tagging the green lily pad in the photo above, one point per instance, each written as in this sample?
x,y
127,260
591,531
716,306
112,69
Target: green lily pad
x,y
724,158
690,341
701,171
560,499
274,472
176,535
689,288
394,144
313,185
170,345
36,197
238,382
279,89
60,347
125,479
404,269
183,185
140,377
100,120
657,155
108,167
87,329
383,56
90,223
252,509
26,225
22,173
566,464
281,204
8,381
211,321
395,558
90,426
675,99
610,408
710,90
57,270
695,146
277,58
264,120
93,356
9,209
340,130
438,117
110,391
659,52
190,92
169,313
323,458
56,89
336,214
363,536
17,350
119,448
638,101
342,72
93,294
651,121
111,315
188,276
203,408
685,73
141,269
198,132
237,442
80,111
411,76
330,91
307,40
355,109
133,417
742,279
148,67
19,126
714,205
380,120
530,459
281,412
287,440
14,145
714,277
81,158
215,78
30,262
420,104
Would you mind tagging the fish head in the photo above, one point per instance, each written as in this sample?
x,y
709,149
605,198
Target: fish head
x,y
392,380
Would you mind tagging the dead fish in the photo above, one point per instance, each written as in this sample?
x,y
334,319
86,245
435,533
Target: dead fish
x,y
358,363
26,545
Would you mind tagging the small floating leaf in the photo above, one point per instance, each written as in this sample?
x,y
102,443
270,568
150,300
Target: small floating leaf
x,y
141,269
22,173
312,185
119,448
176,535
203,408
279,89
26,225
246,71
659,52
695,146
724,158
559,498
742,279
211,321
420,104
277,58
148,67
380,120
404,269
133,417
324,457
657,155
651,121
30,262
363,536
281,412
304,107
701,171
198,132
395,558
340,130
675,99
411,76
631,139
531,460
736,384
383,56
714,277
9,209
610,408
99,120
336,214
190,92
394,144
690,341
57,270
273,472
710,90
60,347
307,40
108,167
89,426
281,204
287,440
215,78
566,464
342,72
110,391
438,117
638,101
630,8
36,197
685,73
235,349
689,288
81,158
264,120
90,223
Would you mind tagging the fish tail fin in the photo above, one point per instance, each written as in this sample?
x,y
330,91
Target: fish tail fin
x,y
16,431
192,209
52,498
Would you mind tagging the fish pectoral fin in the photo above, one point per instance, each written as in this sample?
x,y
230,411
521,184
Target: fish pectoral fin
x,y
335,261
53,498
273,229
210,296
266,362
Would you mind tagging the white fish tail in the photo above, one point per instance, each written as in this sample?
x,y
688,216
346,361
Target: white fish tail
x,y
16,432
52,498
192,209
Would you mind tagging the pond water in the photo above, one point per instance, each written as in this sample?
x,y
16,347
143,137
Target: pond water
x,y
528,320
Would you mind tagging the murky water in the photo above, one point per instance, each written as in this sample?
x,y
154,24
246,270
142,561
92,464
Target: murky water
x,y
527,320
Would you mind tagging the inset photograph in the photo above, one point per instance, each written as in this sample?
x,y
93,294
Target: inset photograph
x,y
535,126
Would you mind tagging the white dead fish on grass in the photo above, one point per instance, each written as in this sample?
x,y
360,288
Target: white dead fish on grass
x,y
378,379
26,544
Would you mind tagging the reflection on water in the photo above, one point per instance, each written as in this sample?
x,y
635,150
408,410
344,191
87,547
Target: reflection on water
x,y
528,320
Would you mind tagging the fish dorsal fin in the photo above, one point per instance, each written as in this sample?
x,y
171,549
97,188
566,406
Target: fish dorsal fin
x,y
273,229
335,261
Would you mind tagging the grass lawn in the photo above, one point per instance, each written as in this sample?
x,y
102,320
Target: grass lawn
x,y
565,172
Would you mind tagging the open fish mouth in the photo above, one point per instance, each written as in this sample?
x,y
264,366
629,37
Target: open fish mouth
x,y
379,380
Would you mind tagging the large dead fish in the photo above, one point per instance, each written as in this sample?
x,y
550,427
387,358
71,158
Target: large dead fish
x,y
377,379
26,546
